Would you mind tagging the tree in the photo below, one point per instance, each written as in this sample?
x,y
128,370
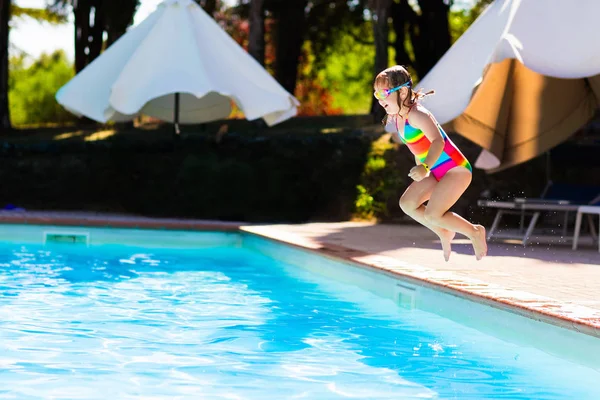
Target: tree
x,y
381,14
89,28
5,124
256,40
295,23
289,37
39,14
210,6
118,17
316,21
32,88
423,30
427,25
8,11
400,25
460,20
347,68
94,18
430,33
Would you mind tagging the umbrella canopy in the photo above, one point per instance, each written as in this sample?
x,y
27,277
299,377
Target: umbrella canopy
x,y
521,80
177,54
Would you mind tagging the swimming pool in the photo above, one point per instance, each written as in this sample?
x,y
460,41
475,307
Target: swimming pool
x,y
174,314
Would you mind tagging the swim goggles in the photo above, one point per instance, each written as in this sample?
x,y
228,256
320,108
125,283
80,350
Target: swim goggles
x,y
384,93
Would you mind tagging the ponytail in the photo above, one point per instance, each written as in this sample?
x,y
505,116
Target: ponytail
x,y
414,96
419,94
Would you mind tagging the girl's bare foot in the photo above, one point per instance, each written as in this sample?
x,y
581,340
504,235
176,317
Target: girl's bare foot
x,y
446,237
479,242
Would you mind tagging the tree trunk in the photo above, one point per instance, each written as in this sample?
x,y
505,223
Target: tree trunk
x,y
96,32
381,30
5,124
399,12
208,5
88,37
112,35
118,16
433,38
256,40
291,25
81,10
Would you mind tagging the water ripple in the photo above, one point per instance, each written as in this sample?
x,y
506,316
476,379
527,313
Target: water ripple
x,y
231,324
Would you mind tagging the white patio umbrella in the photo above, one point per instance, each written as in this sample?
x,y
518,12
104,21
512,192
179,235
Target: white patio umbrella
x,y
179,66
522,79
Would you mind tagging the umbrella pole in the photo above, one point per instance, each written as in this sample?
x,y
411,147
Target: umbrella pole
x,y
176,116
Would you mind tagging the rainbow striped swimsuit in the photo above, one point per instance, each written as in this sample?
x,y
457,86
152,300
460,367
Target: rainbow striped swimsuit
x,y
418,144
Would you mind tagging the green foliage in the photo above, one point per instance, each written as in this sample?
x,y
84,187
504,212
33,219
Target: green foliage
x,y
345,60
32,89
365,204
460,20
326,20
381,182
39,14
348,70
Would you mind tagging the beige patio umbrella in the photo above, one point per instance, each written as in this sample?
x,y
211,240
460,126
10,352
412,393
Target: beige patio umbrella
x,y
522,79
517,114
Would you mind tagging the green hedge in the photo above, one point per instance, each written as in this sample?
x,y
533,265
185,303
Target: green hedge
x,y
245,177
251,174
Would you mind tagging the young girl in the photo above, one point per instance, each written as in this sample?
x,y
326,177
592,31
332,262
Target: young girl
x,y
442,173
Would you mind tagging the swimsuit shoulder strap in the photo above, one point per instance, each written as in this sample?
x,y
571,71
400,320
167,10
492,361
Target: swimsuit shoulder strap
x,y
408,112
398,131
410,109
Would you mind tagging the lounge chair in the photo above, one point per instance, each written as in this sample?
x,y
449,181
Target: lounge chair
x,y
590,210
556,197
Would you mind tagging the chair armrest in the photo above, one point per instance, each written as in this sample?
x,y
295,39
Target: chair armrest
x,y
525,200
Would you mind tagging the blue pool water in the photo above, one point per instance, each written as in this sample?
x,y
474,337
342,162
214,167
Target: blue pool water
x,y
230,323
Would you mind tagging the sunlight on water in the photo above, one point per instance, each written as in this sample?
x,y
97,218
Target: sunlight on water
x,y
227,323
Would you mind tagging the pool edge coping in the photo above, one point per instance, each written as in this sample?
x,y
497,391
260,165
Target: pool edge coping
x,y
570,316
574,317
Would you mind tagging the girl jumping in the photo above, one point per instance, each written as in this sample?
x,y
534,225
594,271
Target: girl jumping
x,y
442,173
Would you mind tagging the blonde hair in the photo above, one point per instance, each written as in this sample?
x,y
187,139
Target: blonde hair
x,y
396,76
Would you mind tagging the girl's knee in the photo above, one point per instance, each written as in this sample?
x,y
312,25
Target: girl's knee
x,y
408,205
432,216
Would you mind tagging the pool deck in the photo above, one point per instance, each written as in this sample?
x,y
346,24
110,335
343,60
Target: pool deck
x,y
549,282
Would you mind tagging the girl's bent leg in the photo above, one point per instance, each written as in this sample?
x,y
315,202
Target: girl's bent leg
x,y
445,194
411,203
